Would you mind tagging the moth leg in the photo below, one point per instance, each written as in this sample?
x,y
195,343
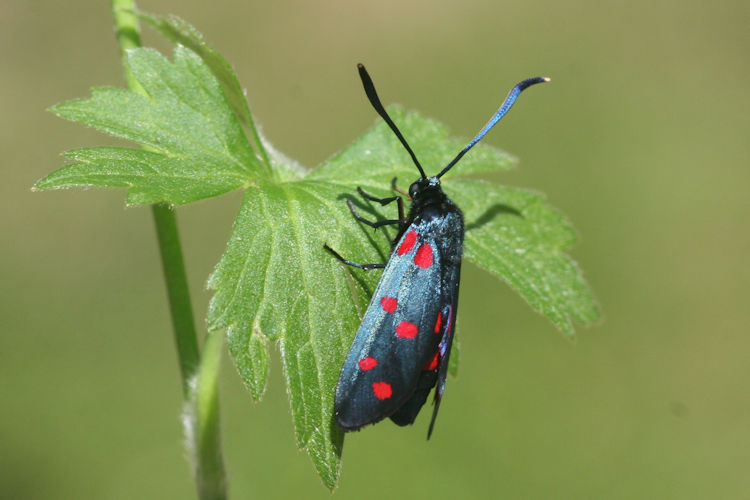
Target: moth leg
x,y
366,267
385,201
398,189
370,223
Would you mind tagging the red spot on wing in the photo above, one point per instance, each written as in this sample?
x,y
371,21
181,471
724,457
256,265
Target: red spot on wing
x,y
432,364
389,304
407,243
367,363
423,257
406,330
382,390
439,322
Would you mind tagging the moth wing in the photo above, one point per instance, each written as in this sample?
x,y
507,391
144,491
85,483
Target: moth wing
x,y
444,353
397,335
435,371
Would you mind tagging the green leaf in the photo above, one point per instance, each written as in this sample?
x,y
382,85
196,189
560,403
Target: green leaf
x,y
152,177
181,32
197,148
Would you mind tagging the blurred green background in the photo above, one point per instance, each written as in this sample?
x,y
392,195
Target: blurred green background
x,y
642,138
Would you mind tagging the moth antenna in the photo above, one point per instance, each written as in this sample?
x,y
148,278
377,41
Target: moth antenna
x,y
504,108
375,101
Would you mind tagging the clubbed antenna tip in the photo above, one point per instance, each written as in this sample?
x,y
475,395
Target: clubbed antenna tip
x,y
504,108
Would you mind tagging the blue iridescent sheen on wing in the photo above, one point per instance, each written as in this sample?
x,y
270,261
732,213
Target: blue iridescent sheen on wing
x,y
398,336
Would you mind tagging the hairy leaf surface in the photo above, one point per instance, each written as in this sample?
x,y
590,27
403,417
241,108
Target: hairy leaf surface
x,y
275,282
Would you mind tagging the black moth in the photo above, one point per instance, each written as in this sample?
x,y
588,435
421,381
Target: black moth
x,y
402,347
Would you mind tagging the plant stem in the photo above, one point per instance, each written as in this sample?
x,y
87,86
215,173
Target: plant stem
x,y
177,290
209,464
199,377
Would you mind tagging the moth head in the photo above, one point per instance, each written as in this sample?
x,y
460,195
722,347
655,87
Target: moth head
x,y
424,185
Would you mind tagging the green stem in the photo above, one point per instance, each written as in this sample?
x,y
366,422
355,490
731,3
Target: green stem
x,y
209,465
180,308
199,377
128,37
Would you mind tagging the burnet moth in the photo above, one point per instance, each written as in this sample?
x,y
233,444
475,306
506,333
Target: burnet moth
x,y
402,347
